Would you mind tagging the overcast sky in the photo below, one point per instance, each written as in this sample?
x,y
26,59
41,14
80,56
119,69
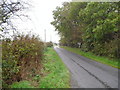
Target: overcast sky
x,y
41,16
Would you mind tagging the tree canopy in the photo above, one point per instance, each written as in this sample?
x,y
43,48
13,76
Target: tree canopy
x,y
93,24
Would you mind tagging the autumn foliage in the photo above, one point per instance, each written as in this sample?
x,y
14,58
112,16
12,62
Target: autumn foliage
x,y
21,58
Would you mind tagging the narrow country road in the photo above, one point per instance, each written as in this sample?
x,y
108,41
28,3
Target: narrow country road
x,y
86,73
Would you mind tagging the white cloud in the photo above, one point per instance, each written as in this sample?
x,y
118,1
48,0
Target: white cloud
x,y
41,16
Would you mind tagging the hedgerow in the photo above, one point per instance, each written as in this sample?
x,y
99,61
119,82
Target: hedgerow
x,y
21,58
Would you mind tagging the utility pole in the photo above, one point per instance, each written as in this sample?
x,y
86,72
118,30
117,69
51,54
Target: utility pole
x,y
45,35
50,38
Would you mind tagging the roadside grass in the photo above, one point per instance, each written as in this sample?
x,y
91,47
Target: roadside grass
x,y
101,59
33,83
56,73
22,84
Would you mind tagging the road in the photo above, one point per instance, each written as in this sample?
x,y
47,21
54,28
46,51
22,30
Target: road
x,y
86,73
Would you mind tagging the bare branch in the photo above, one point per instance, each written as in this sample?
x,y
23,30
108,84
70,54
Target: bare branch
x,y
9,9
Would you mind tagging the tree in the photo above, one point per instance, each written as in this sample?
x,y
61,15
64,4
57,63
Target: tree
x,y
66,22
101,20
9,9
94,24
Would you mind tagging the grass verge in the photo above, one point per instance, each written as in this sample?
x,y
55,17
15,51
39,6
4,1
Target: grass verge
x,y
101,59
57,74
54,74
22,84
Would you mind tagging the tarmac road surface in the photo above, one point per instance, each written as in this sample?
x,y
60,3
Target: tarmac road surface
x,y
86,73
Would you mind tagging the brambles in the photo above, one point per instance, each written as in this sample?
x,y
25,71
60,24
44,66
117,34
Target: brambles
x,y
21,58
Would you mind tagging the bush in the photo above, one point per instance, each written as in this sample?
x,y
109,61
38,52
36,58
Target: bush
x,y
21,58
49,44
111,49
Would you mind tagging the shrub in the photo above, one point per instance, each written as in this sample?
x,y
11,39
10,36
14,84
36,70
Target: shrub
x,y
21,58
49,44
